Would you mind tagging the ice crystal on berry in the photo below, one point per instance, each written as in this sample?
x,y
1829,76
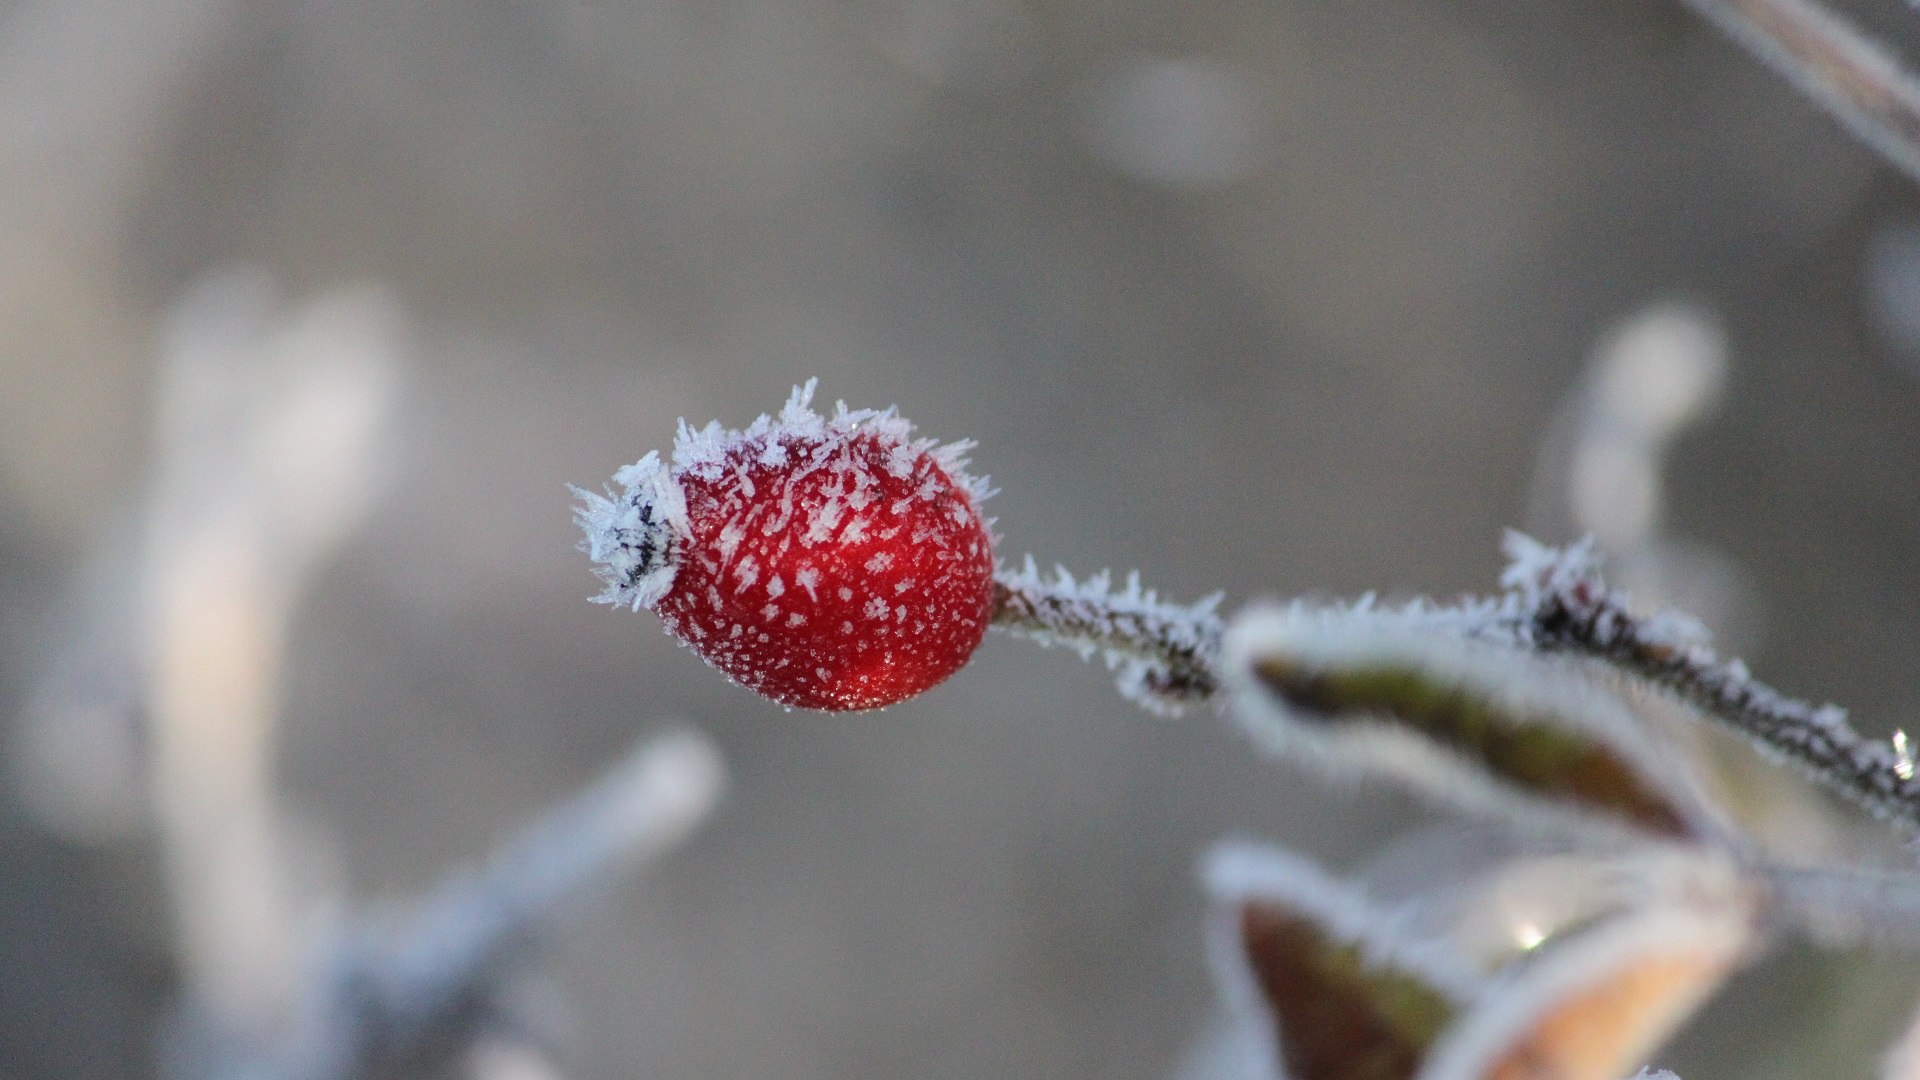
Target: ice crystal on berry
x,y
826,562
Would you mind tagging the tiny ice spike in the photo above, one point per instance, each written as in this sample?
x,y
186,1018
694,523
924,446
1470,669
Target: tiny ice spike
x,y
824,562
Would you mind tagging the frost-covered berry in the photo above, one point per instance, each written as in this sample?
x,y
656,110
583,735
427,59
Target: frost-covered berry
x,y
824,562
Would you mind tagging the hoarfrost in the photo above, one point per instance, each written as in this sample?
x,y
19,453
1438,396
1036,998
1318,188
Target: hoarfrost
x,y
634,537
703,451
1558,602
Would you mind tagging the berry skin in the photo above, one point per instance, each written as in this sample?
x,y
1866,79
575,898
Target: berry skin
x,y
824,562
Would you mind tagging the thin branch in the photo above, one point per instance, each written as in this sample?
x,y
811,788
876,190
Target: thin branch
x,y
1168,654
1561,604
1843,71
1555,601
398,997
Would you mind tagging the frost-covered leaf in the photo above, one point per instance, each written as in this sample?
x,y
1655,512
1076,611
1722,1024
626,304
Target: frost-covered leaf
x,y
1334,987
1484,725
1593,1004
1333,983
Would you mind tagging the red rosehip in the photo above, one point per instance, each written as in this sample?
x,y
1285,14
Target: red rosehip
x,y
824,562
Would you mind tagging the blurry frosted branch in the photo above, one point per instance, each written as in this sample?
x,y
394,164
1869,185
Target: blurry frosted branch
x,y
1167,654
268,423
410,994
270,427
1830,61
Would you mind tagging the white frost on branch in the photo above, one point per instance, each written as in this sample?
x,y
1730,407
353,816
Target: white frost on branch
x,y
1558,602
1166,654
402,996
1554,601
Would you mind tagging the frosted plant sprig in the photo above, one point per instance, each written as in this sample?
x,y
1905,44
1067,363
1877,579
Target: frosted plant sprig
x,y
1558,602
401,994
1168,654
1481,726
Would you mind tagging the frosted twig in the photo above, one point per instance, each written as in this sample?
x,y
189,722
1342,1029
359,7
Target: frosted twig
x,y
1168,655
1843,71
403,995
1560,603
1556,602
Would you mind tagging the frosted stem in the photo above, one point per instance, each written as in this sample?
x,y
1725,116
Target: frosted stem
x,y
1562,605
1556,602
1169,654
1834,64
404,996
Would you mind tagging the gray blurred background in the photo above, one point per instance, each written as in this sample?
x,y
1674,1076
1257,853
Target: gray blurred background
x,y
1268,297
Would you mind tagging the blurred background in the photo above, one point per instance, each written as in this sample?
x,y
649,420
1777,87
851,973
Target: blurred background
x,y
1266,297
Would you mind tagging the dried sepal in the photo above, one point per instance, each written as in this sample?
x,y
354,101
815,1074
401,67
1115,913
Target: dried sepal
x,y
1593,1003
1329,980
1483,725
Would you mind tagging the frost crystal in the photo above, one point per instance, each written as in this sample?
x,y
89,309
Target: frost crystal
x,y
705,452
634,537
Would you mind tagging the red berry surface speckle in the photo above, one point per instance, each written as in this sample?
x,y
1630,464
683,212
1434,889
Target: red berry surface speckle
x,y
824,562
